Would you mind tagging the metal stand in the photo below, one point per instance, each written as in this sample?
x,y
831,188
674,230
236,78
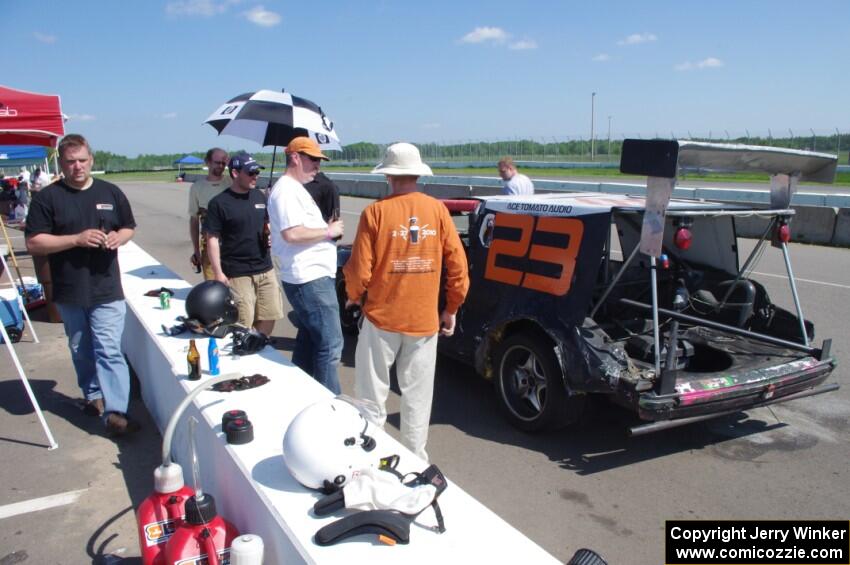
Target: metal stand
x,y
655,335
794,293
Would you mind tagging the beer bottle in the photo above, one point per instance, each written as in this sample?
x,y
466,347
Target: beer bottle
x,y
267,237
193,358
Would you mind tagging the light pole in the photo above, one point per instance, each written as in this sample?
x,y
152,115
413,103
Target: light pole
x,y
592,114
608,151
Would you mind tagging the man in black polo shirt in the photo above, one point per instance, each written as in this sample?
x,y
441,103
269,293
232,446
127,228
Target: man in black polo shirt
x,y
79,223
238,246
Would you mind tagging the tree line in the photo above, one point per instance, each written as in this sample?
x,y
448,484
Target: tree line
x,y
530,149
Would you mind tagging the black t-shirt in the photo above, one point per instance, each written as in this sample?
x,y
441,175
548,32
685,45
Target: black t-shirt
x,y
82,276
325,193
238,221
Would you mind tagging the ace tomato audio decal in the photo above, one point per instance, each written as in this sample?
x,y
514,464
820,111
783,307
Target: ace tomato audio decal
x,y
538,253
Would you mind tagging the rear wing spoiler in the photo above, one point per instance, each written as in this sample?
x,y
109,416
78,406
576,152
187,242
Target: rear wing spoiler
x,y
664,158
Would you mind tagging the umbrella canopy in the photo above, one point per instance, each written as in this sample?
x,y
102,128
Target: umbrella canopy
x,y
188,160
274,118
29,118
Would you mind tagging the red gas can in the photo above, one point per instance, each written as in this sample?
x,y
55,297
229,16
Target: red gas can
x,y
203,538
161,513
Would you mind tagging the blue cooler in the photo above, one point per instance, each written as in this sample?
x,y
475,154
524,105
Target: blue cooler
x,y
10,315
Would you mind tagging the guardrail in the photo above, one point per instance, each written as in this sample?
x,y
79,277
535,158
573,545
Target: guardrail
x,y
821,218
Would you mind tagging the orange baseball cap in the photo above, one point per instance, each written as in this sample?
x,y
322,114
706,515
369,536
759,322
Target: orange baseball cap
x,y
307,146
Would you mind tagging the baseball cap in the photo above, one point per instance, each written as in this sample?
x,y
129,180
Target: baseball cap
x,y
307,146
244,161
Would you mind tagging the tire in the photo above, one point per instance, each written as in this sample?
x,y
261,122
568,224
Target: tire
x,y
348,319
530,385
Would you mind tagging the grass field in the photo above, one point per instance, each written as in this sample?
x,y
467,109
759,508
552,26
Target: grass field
x,y
841,179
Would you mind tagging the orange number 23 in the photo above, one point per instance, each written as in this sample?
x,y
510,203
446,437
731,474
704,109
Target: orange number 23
x,y
564,257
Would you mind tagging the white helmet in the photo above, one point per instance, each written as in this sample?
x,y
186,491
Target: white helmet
x,y
326,444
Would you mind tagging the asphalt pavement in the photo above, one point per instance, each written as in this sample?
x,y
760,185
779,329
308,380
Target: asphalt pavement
x,y
590,486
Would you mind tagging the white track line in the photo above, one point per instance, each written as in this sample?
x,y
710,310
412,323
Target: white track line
x,y
43,503
798,279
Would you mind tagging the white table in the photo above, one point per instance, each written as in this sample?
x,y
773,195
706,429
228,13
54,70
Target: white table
x,y
250,483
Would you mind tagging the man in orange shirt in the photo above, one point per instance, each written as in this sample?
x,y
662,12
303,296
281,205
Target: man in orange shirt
x,y
403,244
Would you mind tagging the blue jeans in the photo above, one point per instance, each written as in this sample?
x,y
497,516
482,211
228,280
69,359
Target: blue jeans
x,y
94,338
318,344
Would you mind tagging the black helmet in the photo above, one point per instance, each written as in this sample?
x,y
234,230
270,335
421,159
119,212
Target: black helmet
x,y
211,309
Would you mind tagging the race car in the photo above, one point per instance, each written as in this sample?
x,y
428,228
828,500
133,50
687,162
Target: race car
x,y
639,298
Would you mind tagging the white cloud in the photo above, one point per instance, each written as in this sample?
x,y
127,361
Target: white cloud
x,y
80,117
638,38
523,44
44,37
260,16
482,34
205,8
601,57
169,115
707,63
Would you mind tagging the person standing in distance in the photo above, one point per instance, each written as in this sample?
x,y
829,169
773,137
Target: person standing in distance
x,y
238,247
80,222
200,193
514,183
403,244
303,243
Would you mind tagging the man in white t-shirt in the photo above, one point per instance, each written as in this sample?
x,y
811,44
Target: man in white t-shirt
x,y
514,183
200,194
303,244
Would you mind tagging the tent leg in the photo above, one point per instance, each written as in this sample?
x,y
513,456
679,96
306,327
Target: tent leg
x,y
8,342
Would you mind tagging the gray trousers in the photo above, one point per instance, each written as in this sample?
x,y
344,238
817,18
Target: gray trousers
x,y
415,358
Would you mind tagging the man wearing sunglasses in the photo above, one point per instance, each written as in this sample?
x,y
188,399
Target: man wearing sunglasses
x,y
304,244
238,246
200,193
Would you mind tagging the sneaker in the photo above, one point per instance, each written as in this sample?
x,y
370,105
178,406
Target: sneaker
x,y
93,407
118,425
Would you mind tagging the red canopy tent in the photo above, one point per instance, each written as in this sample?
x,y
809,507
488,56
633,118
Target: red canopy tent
x,y
28,118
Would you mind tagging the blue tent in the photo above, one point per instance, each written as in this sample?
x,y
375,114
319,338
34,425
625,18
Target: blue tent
x,y
189,160
14,155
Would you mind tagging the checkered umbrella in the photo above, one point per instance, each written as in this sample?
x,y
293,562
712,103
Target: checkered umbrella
x,y
274,118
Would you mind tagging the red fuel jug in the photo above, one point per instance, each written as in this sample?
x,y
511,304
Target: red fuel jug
x,y
202,537
161,513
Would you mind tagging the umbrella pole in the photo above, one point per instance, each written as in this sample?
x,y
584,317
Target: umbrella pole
x,y
271,172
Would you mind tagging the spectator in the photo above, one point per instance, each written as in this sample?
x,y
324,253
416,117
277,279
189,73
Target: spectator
x,y
326,194
24,177
200,194
403,244
303,243
39,180
238,246
79,223
514,183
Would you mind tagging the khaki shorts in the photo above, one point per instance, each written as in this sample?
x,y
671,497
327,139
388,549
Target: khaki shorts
x,y
258,297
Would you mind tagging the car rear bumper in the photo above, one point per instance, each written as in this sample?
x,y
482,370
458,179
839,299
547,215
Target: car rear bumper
x,y
786,380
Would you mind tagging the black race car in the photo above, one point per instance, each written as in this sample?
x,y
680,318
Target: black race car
x,y
640,298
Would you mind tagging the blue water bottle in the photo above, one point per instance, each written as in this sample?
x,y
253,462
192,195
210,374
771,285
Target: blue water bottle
x,y
212,353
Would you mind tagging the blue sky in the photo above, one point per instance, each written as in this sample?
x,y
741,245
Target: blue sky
x,y
141,76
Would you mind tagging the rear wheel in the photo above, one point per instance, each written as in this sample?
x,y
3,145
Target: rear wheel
x,y
530,384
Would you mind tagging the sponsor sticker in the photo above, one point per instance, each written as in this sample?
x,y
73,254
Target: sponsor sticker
x,y
158,532
223,559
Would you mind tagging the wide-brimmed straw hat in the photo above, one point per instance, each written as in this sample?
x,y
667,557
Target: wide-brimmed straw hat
x,y
402,159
